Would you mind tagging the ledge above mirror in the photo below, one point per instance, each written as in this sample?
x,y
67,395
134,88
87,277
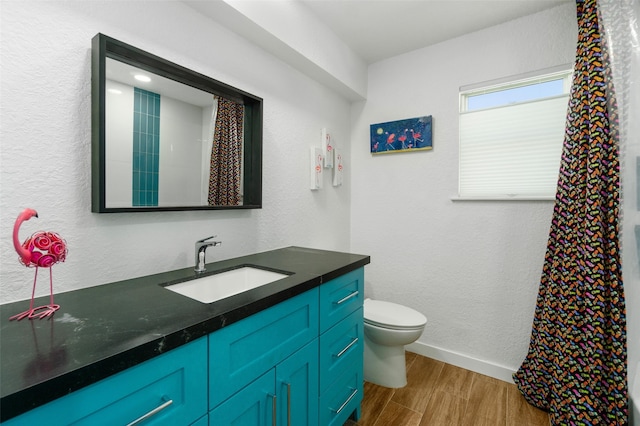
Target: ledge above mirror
x,y
166,138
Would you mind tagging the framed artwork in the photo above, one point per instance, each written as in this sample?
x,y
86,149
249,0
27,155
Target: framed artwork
x,y
411,134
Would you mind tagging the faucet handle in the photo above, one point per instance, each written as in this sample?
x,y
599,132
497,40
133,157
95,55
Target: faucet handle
x,y
205,239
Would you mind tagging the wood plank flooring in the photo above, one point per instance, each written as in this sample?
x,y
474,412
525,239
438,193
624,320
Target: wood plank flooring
x,y
439,394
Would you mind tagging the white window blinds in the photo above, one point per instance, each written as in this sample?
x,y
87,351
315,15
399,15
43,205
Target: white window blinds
x,y
513,150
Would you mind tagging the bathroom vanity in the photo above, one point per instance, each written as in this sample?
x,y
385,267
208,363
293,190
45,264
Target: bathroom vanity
x,y
285,353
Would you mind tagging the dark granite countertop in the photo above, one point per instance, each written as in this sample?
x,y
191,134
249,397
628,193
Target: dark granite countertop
x,y
102,330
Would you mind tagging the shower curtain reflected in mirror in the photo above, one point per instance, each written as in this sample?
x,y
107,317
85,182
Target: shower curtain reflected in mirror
x,y
225,169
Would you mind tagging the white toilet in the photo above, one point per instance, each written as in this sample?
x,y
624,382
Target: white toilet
x,y
388,327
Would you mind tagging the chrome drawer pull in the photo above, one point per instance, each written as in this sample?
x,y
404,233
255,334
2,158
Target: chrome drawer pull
x,y
344,299
353,342
355,391
151,413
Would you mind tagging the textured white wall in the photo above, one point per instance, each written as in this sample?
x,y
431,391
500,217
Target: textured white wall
x,y
471,267
45,147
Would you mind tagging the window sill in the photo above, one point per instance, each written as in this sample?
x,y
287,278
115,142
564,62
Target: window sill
x,y
503,198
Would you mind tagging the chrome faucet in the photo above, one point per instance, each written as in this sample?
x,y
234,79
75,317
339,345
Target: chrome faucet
x,y
201,250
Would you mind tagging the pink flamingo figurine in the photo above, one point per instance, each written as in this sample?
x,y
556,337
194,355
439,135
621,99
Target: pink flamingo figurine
x,y
42,249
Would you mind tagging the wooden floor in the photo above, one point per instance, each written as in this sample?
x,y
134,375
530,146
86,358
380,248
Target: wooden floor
x,y
441,394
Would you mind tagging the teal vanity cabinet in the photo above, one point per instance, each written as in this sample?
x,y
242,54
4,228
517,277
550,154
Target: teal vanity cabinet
x,y
168,389
263,370
289,353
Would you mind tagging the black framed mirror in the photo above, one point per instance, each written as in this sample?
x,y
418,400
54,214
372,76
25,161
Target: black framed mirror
x,y
166,138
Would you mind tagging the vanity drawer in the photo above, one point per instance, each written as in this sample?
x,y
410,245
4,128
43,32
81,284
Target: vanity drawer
x,y
173,384
340,297
248,348
342,398
341,348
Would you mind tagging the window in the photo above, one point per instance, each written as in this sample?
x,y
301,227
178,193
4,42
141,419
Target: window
x,y
511,135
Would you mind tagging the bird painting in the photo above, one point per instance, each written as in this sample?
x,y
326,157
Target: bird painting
x,y
42,249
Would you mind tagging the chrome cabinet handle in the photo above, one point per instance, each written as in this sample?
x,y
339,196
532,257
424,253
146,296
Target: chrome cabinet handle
x,y
288,404
353,394
274,407
344,299
152,412
346,348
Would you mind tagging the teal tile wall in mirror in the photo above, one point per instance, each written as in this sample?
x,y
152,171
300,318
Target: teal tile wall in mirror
x,y
146,148
160,139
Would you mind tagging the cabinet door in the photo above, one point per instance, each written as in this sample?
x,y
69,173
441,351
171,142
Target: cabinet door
x,y
297,386
254,405
287,395
248,348
170,388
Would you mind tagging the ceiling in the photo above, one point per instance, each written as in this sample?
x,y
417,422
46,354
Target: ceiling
x,y
380,29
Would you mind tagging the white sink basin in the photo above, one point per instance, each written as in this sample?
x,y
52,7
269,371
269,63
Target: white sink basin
x,y
224,284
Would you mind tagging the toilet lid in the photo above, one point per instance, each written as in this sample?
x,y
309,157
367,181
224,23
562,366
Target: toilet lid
x,y
392,315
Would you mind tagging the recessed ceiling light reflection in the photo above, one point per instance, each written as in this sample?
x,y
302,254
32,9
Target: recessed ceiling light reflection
x,y
143,78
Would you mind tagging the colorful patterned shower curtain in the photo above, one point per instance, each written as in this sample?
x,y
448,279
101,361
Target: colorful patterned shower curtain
x,y
226,155
576,365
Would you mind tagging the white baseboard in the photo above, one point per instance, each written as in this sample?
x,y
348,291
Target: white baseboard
x,y
482,367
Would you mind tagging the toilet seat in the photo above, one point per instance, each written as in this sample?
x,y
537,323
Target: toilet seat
x,y
392,316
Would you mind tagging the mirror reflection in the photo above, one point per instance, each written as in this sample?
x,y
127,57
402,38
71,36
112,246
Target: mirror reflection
x,y
171,139
159,138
